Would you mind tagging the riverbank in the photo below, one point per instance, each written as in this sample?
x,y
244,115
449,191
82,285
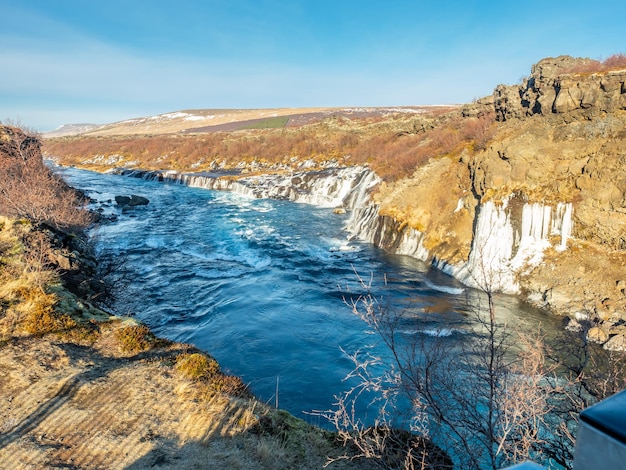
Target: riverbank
x,y
92,406
80,388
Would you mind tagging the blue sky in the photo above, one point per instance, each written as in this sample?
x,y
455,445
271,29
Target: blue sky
x,y
70,61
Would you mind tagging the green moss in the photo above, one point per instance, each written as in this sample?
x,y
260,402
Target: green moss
x,y
197,366
202,368
137,338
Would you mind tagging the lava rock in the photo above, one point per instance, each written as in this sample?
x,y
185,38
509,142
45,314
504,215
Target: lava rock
x,y
132,201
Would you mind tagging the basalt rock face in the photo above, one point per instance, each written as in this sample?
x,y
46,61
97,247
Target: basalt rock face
x,y
554,87
542,205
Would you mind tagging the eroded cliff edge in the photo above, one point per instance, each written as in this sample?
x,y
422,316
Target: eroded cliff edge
x,y
540,210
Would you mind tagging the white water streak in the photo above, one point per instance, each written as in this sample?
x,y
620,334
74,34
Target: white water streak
x,y
500,252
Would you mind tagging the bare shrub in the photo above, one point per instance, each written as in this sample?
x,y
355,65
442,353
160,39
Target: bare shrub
x,y
615,62
483,403
478,131
29,190
382,443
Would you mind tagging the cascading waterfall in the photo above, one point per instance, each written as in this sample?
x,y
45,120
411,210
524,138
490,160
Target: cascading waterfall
x,y
368,225
336,187
501,247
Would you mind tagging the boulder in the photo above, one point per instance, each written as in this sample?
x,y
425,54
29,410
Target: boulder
x,y
138,200
132,201
597,335
572,324
616,343
619,329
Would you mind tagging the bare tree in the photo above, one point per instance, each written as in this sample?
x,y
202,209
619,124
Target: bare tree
x,y
587,375
485,405
483,402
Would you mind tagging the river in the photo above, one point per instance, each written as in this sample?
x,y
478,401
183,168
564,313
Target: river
x,y
262,285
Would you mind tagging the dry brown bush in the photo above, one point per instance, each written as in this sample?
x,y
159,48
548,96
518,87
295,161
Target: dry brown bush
x,y
28,189
613,62
616,61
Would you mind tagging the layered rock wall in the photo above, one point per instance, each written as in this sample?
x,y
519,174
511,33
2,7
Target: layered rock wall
x,y
339,188
554,86
540,210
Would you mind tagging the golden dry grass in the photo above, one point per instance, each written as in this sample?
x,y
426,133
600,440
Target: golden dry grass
x,y
95,407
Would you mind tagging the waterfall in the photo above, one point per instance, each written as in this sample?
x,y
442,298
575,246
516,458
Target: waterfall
x,y
367,224
337,187
502,247
500,251
359,196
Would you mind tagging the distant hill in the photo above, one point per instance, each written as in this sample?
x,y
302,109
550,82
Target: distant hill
x,y
70,129
212,120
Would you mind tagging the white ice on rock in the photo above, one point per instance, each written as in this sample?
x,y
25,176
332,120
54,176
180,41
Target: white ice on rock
x,y
500,250
501,247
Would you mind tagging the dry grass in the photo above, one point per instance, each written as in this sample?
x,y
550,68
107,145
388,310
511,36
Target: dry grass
x,y
96,407
196,366
135,338
25,306
205,371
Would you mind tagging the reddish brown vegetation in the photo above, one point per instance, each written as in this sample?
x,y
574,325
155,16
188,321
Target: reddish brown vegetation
x,y
614,62
393,149
29,190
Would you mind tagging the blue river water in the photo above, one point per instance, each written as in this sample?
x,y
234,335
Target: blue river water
x,y
262,285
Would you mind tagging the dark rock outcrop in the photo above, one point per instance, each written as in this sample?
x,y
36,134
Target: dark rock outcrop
x,y
132,201
555,86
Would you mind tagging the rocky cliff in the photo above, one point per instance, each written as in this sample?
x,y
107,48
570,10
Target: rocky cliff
x,y
561,85
540,210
